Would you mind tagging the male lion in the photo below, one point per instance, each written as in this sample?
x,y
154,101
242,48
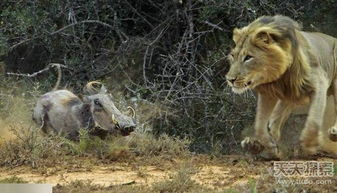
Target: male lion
x,y
287,67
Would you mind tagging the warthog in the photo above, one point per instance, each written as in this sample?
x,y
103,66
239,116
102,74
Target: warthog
x,y
63,112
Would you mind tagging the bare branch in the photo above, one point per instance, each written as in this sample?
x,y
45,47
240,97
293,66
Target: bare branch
x,y
51,65
140,15
62,29
216,26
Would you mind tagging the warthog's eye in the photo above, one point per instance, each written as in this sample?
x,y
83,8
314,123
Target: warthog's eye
x,y
96,101
248,57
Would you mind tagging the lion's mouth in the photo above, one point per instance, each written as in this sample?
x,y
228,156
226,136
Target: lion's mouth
x,y
244,87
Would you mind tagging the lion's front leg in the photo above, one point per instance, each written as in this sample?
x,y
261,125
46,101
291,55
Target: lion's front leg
x,y
332,132
279,116
262,140
309,136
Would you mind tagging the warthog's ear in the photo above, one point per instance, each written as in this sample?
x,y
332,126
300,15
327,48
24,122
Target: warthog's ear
x,y
93,87
130,112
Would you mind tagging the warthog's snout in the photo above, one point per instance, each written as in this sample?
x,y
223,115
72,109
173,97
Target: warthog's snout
x,y
125,122
127,130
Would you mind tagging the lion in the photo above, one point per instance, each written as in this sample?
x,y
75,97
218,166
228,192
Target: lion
x,y
287,67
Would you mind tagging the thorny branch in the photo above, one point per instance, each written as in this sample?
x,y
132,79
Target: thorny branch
x,y
51,65
61,30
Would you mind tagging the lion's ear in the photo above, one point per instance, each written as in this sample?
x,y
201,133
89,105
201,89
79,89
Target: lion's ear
x,y
236,34
265,36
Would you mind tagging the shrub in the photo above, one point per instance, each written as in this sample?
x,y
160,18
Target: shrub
x,y
13,180
148,145
29,148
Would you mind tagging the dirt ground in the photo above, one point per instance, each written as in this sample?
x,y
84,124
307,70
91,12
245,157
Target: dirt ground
x,y
230,174
211,175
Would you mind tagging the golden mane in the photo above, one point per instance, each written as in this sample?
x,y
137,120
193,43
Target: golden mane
x,y
295,81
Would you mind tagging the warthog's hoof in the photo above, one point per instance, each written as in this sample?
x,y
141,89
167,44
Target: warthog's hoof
x,y
252,146
333,134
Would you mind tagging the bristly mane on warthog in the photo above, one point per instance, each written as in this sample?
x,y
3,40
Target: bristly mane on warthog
x,y
63,112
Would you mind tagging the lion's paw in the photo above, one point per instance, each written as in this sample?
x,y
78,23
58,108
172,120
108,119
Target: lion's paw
x,y
333,133
308,150
251,145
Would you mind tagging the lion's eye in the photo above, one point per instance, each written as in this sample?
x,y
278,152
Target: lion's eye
x,y
248,57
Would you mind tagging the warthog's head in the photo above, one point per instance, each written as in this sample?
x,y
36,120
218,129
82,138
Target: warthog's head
x,y
105,113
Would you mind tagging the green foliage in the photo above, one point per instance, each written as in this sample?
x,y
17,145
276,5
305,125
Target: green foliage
x,y
164,145
13,180
29,147
252,184
112,148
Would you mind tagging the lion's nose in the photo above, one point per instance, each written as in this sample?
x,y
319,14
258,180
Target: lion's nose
x,y
231,80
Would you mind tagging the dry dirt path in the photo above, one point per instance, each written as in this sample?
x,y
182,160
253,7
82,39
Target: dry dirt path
x,y
212,175
231,172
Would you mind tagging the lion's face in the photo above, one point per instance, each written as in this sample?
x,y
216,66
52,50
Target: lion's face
x,y
256,59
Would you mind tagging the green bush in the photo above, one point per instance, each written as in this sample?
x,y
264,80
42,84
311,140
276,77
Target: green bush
x,y
13,180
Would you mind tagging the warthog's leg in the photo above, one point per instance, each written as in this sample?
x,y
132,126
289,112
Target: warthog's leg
x,y
279,117
333,130
309,135
44,120
262,140
40,117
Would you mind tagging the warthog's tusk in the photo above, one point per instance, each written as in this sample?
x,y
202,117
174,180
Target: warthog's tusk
x,y
114,121
96,124
132,111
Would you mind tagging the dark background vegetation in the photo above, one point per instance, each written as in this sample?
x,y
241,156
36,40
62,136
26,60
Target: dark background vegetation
x,y
168,52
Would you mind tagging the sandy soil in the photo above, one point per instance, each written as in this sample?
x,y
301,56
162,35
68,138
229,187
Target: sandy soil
x,y
212,175
230,172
